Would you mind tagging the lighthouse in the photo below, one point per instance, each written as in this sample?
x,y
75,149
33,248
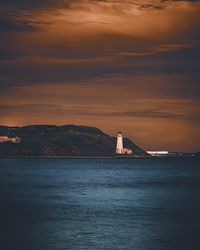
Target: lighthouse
x,y
119,147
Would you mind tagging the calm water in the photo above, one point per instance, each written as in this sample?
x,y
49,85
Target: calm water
x,y
93,204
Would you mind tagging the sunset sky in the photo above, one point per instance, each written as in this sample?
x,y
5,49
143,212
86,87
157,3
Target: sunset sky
x,y
129,65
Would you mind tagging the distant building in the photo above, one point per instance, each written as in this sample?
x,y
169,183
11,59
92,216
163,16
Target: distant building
x,y
120,148
4,138
158,153
127,151
10,139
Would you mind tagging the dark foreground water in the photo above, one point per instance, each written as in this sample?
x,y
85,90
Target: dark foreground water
x,y
93,204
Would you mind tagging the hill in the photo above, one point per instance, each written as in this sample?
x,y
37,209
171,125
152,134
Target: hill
x,y
67,140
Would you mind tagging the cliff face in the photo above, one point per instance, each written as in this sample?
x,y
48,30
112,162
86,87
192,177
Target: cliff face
x,y
68,140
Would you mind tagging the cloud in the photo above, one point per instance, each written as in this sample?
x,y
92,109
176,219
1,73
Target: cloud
x,y
169,73
146,113
52,60
134,28
159,109
27,108
135,18
132,64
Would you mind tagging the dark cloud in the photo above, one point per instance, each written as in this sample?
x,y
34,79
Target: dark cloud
x,y
15,15
36,109
146,113
5,109
180,68
9,25
29,4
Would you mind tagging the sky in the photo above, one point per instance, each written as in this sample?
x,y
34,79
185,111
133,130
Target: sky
x,y
128,65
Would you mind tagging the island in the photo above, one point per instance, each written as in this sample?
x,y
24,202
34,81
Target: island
x,y
61,141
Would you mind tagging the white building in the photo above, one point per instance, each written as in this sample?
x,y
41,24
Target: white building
x,y
10,139
158,153
120,148
4,138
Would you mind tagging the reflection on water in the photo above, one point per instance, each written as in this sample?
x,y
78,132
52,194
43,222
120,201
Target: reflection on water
x,y
145,204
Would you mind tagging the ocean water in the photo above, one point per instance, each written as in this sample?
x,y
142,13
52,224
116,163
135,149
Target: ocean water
x,y
94,204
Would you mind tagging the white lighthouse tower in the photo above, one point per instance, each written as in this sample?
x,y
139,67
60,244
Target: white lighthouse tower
x,y
119,147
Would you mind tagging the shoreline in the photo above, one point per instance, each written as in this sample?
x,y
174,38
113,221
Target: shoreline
x,y
96,157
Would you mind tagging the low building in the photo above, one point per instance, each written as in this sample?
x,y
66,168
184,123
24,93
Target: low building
x,y
10,139
127,151
4,138
158,153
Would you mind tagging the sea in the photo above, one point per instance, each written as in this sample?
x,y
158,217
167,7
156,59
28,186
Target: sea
x,y
100,204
